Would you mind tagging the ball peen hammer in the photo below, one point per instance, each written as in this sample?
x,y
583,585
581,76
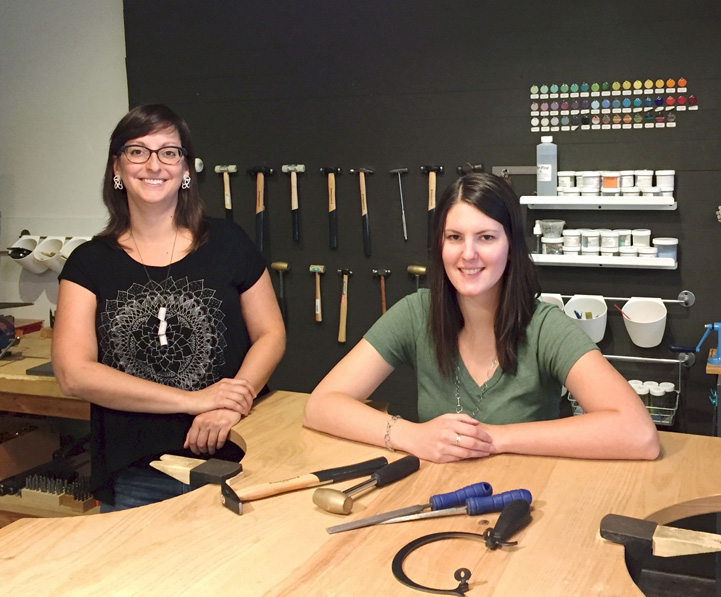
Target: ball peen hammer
x,y
332,213
399,172
346,273
364,208
431,171
260,172
418,271
293,170
382,274
317,270
281,267
226,170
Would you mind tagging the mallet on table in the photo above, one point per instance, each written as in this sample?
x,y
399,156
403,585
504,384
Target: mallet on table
x,y
260,172
418,271
226,170
281,267
399,172
332,213
364,209
431,171
343,304
317,270
382,274
293,170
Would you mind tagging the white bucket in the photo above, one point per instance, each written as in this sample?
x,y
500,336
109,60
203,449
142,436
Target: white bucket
x,y
551,298
646,321
595,327
29,262
70,246
48,252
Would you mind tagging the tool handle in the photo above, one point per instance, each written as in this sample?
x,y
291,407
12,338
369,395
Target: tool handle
x,y
514,517
259,227
395,471
333,229
318,306
675,348
343,310
460,496
383,294
226,192
352,471
431,218
496,503
296,224
365,222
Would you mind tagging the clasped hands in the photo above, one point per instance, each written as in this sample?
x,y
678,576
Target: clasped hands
x,y
449,438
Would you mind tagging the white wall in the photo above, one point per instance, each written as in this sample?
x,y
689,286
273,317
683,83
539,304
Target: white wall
x,y
63,89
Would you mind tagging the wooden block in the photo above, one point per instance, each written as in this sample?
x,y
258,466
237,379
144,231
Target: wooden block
x,y
46,333
40,499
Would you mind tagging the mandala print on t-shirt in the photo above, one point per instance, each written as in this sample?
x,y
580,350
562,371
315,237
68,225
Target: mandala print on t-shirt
x,y
195,331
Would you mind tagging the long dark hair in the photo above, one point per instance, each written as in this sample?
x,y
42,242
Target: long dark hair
x,y
519,283
141,121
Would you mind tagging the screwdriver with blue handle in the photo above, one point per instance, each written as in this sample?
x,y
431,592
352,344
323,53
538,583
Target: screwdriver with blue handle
x,y
473,506
441,501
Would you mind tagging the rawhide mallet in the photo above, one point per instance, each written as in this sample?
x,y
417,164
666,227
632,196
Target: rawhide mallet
x,y
317,270
226,170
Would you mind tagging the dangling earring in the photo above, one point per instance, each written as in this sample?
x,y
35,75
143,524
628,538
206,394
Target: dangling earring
x,y
186,182
117,183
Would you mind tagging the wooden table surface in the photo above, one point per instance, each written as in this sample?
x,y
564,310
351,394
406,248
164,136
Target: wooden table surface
x,y
192,545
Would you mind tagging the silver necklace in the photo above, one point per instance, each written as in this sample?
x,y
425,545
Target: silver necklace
x,y
484,387
162,311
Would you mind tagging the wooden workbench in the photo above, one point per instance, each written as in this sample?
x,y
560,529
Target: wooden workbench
x,y
192,545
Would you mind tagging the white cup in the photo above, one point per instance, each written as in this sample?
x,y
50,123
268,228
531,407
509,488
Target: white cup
x,y
645,321
48,252
584,303
70,246
29,262
551,298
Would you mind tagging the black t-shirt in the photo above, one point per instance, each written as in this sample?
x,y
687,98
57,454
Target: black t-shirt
x,y
206,336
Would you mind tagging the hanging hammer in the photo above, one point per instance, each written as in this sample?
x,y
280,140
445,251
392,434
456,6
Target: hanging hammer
x,y
431,171
343,304
332,214
467,168
260,172
382,274
293,170
317,270
399,172
226,171
418,271
281,267
364,209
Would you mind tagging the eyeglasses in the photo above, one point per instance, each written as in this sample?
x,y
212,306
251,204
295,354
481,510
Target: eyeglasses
x,y
139,154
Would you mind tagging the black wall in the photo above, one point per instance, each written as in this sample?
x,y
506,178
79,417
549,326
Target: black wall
x,y
384,85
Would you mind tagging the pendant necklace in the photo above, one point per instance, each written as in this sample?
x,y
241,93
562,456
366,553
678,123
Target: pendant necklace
x,y
484,387
162,324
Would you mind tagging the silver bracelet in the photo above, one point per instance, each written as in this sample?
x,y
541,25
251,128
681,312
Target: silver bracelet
x,y
387,437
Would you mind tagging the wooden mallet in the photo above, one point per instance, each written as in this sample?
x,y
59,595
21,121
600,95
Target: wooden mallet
x,y
226,170
382,274
317,270
343,304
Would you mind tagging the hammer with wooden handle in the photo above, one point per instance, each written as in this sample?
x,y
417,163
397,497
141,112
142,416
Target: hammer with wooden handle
x,y
226,170
364,208
431,171
260,172
281,267
293,170
343,304
317,270
332,213
382,274
418,271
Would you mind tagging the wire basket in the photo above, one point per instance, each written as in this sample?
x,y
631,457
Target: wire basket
x,y
661,415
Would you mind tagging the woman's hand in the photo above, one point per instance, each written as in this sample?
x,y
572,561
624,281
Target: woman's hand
x,y
446,438
210,430
236,394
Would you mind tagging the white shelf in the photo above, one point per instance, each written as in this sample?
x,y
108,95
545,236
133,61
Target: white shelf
x,y
598,261
599,202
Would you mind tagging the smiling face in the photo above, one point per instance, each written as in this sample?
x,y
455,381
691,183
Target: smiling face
x,y
152,182
475,251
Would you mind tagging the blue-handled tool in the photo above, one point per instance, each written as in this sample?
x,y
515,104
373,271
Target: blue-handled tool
x,y
435,502
473,506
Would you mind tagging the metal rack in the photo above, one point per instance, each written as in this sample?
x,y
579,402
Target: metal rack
x,y
686,298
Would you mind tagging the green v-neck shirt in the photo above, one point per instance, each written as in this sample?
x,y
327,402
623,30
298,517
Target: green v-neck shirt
x,y
553,344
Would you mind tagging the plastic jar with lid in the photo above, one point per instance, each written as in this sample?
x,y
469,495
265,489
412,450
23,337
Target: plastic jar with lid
x,y
594,251
552,245
666,191
627,179
657,397
631,191
571,251
647,251
665,177
667,246
590,239
611,192
567,178
609,251
609,239
591,180
610,179
624,236
651,191
627,251
670,394
571,238
642,392
635,383
644,178
641,237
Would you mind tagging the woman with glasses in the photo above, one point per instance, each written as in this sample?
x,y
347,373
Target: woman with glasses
x,y
489,358
167,321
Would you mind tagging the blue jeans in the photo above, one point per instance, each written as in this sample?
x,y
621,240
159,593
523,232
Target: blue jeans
x,y
137,486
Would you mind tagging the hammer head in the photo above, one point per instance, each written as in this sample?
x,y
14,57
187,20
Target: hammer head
x,y
359,170
399,171
381,273
417,270
317,269
329,170
226,168
280,266
345,272
436,169
288,168
261,170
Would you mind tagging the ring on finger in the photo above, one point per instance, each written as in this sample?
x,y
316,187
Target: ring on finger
x,y
458,439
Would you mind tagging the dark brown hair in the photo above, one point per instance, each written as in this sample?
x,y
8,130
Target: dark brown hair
x,y
519,283
139,122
